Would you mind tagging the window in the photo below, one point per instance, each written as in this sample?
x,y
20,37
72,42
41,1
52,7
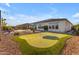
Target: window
x,y
49,27
52,26
56,26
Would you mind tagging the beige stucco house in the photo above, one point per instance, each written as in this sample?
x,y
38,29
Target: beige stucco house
x,y
54,25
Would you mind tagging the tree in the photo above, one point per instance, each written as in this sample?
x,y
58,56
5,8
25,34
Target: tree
x,y
76,29
2,23
33,28
7,28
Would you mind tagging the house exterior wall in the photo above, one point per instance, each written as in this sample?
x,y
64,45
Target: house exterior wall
x,y
37,27
68,26
63,26
60,26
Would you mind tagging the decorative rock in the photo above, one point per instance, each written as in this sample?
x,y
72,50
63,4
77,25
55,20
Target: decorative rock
x,y
72,46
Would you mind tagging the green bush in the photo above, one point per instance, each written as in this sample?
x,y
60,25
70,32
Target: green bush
x,y
7,28
76,29
16,33
77,32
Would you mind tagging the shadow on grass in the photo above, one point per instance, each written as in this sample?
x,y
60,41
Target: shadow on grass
x,y
51,37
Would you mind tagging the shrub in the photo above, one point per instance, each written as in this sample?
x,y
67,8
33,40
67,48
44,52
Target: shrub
x,y
7,28
16,33
75,28
32,29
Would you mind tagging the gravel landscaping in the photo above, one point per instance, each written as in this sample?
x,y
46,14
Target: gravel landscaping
x,y
8,46
72,46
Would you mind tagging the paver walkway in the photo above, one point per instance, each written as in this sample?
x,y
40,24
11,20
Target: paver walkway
x,y
72,46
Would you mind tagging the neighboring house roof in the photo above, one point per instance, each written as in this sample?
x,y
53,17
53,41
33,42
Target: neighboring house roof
x,y
50,20
23,25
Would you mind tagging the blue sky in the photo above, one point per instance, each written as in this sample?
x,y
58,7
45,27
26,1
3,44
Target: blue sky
x,y
19,13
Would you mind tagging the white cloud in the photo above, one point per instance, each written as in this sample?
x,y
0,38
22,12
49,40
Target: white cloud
x,y
29,18
76,15
22,18
11,17
75,18
7,4
75,21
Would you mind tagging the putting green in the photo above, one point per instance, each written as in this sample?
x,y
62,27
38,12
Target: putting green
x,y
37,40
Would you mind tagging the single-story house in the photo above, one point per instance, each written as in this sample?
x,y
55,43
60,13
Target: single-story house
x,y
54,25
23,26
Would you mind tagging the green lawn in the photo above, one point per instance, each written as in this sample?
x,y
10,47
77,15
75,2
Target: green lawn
x,y
44,43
